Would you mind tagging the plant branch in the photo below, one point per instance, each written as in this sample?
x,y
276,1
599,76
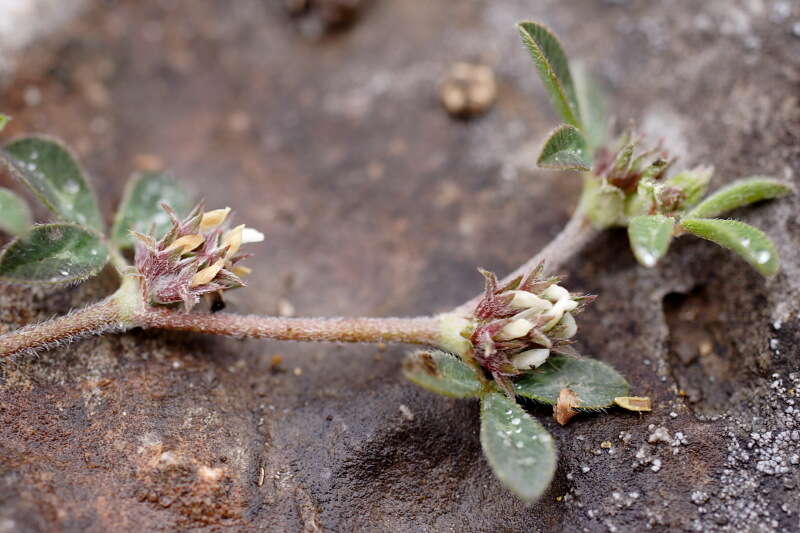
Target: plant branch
x,y
573,238
423,330
95,319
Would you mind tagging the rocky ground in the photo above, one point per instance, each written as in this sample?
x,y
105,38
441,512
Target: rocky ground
x,y
330,138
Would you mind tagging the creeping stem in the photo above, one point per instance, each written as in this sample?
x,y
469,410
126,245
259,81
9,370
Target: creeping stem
x,y
92,320
422,330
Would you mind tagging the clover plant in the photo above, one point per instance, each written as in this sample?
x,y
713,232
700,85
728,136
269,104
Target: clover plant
x,y
514,342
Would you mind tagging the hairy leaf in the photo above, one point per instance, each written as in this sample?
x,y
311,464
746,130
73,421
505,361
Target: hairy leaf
x,y
140,209
740,193
650,236
749,242
595,384
565,149
593,108
52,173
442,373
519,449
53,253
553,67
15,216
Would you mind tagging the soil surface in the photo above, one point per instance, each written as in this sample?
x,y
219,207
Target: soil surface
x,y
375,201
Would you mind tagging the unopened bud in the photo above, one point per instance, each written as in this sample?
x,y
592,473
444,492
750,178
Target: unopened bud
x,y
212,219
530,358
185,244
565,329
205,276
557,312
514,330
528,300
555,293
233,240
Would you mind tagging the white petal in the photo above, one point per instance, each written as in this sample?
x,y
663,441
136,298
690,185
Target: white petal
x,y
567,328
530,358
555,293
251,235
514,330
557,312
528,300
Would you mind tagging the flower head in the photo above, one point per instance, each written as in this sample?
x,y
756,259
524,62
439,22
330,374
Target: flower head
x,y
198,255
519,324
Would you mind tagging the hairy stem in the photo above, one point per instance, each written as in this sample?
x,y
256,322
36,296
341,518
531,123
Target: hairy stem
x,y
95,319
568,243
424,330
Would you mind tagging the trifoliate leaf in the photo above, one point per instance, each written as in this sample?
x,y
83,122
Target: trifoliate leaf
x,y
54,176
553,67
749,242
53,253
650,236
593,108
141,210
595,384
15,216
442,373
565,149
738,194
519,449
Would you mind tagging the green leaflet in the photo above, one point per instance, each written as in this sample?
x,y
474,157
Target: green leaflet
x,y
553,67
15,216
519,449
442,373
593,107
596,384
738,194
53,253
749,242
54,176
4,120
565,149
650,236
140,209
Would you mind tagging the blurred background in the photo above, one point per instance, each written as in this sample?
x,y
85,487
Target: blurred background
x,y
387,148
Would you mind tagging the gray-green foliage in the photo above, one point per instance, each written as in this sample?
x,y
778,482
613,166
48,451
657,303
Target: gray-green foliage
x,y
519,449
595,383
739,194
630,188
53,253
553,67
649,236
51,172
565,149
75,248
443,374
748,242
15,216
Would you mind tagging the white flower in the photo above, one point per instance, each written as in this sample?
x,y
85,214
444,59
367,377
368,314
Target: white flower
x,y
251,235
514,330
529,301
555,293
566,329
530,358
